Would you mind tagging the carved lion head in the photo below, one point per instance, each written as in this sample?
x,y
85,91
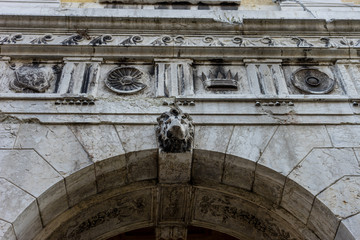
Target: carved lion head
x,y
175,131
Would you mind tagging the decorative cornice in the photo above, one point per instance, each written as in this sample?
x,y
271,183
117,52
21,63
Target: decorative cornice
x,y
182,40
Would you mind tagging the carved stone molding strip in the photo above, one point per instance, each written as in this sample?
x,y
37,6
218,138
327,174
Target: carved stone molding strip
x,y
184,40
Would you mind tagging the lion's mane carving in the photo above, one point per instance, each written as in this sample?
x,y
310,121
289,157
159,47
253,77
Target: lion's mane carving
x,y
175,131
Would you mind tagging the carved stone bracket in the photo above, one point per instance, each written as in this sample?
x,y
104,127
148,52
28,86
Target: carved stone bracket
x,y
175,135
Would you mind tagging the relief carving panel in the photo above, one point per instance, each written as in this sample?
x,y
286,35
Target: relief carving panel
x,y
243,217
125,209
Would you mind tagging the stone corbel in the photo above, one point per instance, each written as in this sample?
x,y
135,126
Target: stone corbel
x,y
175,134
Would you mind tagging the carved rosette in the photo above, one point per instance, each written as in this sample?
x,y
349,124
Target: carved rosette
x,y
125,80
175,131
311,80
31,79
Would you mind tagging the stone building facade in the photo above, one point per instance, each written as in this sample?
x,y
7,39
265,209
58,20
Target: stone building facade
x,y
239,116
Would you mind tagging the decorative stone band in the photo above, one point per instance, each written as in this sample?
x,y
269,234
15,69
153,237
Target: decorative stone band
x,y
82,38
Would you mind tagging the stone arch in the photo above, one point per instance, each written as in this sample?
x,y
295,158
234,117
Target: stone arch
x,y
224,176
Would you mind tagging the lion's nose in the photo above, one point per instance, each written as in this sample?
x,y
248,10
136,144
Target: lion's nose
x,y
177,131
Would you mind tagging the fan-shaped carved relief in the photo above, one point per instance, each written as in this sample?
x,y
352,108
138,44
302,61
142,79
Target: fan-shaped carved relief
x,y
32,79
125,80
311,80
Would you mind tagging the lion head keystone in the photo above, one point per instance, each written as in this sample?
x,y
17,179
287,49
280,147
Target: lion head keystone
x,y
175,131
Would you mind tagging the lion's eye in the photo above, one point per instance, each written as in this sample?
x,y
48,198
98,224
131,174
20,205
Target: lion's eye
x,y
183,121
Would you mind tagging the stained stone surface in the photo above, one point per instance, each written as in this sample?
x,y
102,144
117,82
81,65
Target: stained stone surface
x,y
57,144
6,231
248,143
344,135
19,208
333,204
321,166
49,187
299,140
100,141
8,133
208,166
132,143
349,228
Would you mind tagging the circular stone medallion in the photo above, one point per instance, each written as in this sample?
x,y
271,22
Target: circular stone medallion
x,y
311,80
125,80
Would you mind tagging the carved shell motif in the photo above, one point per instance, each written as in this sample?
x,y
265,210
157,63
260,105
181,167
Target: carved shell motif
x,y
125,80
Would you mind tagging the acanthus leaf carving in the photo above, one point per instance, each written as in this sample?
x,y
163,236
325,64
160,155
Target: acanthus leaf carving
x,y
100,40
12,38
132,40
212,41
43,40
301,42
271,42
329,43
242,42
73,40
162,41
175,131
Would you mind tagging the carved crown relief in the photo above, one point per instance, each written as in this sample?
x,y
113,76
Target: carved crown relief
x,y
220,81
125,80
311,80
32,79
175,131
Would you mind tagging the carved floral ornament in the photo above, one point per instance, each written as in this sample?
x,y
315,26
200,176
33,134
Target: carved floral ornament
x,y
125,80
182,40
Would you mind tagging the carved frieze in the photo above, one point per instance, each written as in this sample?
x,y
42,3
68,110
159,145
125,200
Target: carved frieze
x,y
43,39
14,38
311,80
73,40
32,79
125,80
233,213
175,131
103,39
82,38
220,81
132,40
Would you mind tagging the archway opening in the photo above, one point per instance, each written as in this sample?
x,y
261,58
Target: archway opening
x,y
193,233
